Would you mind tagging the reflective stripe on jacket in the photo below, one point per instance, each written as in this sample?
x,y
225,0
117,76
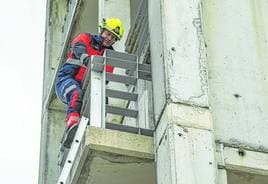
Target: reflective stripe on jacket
x,y
82,47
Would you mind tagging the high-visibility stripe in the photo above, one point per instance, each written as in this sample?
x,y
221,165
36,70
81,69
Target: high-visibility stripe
x,y
68,90
83,56
75,62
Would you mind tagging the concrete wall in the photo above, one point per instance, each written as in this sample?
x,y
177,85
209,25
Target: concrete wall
x,y
53,119
208,55
236,37
157,58
184,140
51,131
54,131
54,37
184,52
184,146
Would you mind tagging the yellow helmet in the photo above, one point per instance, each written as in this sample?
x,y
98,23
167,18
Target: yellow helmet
x,y
113,25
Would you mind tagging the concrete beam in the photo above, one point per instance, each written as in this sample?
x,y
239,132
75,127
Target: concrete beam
x,y
185,116
103,168
121,152
117,142
241,160
184,146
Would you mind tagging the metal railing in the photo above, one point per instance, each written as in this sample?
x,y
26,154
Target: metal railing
x,y
138,38
95,105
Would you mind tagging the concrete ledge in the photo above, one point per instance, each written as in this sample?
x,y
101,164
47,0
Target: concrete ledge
x,y
185,116
243,160
111,156
189,116
122,143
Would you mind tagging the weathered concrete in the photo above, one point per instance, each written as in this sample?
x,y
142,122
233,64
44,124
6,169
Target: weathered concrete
x,y
184,146
232,38
54,37
221,176
184,52
184,136
157,60
246,161
53,111
54,123
111,156
235,177
116,169
236,37
120,143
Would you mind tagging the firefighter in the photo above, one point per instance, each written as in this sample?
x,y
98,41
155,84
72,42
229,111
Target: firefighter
x,y
70,75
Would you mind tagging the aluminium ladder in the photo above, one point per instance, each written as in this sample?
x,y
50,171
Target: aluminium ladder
x,y
94,85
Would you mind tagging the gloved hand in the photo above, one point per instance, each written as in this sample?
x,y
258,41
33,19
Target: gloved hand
x,y
85,58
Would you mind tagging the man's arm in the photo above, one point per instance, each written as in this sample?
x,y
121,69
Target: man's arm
x,y
79,48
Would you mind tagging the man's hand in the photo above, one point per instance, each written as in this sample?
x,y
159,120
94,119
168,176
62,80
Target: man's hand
x,y
85,58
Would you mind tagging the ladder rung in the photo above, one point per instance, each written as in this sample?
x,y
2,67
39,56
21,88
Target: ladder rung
x,y
120,55
123,128
121,111
129,129
144,67
121,63
144,75
121,78
121,95
147,132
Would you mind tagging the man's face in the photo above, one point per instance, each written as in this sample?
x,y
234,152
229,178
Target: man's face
x,y
108,38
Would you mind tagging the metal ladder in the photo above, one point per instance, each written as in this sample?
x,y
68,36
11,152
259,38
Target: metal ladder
x,y
94,85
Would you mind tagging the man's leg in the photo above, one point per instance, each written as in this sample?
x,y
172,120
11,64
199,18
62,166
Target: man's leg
x,y
70,93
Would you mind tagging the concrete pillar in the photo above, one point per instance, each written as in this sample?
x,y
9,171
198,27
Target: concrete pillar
x,y
221,176
184,146
184,140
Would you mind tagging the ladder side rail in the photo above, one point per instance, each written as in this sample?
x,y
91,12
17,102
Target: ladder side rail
x,y
75,150
86,78
97,86
95,79
136,87
62,156
86,89
85,110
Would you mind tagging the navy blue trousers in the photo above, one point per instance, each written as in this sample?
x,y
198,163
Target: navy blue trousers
x,y
69,92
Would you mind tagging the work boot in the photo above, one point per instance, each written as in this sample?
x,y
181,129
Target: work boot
x,y
72,125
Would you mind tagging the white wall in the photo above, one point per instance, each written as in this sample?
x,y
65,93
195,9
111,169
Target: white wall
x,y
184,52
236,35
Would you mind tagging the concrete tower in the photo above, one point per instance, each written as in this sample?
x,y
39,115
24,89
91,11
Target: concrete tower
x,y
207,103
